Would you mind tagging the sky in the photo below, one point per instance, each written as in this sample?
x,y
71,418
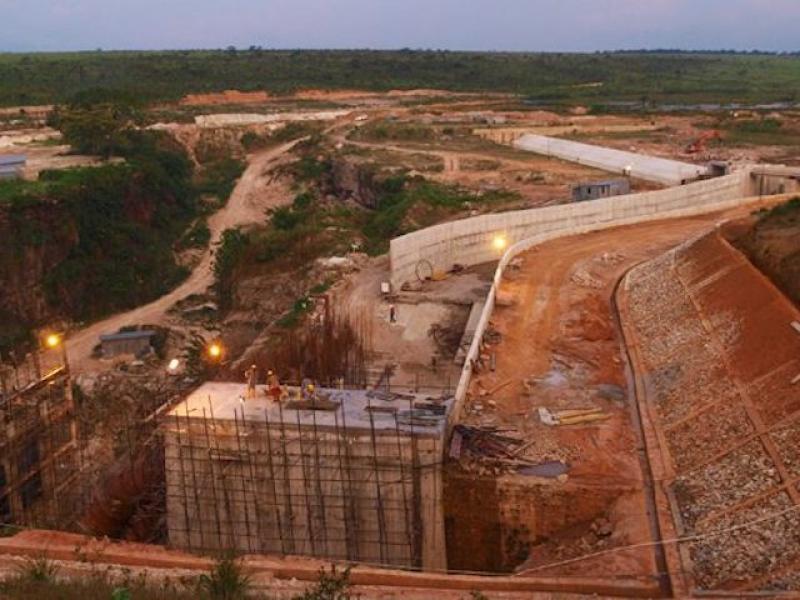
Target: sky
x,y
515,25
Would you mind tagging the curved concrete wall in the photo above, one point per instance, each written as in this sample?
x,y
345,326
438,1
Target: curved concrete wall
x,y
469,241
525,245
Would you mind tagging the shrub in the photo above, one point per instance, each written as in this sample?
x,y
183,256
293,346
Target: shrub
x,y
228,254
226,581
330,586
39,570
197,237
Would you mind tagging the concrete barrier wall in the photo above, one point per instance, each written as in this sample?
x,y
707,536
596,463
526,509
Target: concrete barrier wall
x,y
470,241
744,186
641,166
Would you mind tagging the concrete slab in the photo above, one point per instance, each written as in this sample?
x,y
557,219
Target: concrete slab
x,y
228,402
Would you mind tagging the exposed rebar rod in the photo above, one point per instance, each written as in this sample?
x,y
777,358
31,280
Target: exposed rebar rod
x,y
213,480
379,493
306,495
286,483
243,481
183,482
231,539
351,507
318,486
351,552
273,483
194,472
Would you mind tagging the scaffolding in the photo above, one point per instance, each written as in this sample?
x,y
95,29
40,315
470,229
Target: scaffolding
x,y
38,450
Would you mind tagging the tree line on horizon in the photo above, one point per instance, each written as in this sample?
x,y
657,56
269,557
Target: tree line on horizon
x,y
672,76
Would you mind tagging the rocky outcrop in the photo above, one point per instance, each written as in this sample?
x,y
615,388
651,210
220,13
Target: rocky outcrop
x,y
355,181
36,237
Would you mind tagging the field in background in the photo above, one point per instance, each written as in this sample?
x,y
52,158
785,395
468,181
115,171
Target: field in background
x,y
654,77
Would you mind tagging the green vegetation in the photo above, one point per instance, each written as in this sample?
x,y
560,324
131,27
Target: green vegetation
x,y
311,228
331,586
226,581
127,218
229,255
300,307
101,129
38,570
105,234
38,578
789,211
759,132
219,178
309,168
406,206
43,78
119,223
197,237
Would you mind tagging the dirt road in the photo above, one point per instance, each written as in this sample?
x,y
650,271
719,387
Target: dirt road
x,y
559,333
253,194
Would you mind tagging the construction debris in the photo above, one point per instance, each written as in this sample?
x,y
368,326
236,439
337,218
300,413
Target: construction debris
x,y
571,416
388,396
483,443
418,417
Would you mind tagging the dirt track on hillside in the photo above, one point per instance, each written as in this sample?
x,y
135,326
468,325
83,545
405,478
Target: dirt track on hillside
x,y
253,194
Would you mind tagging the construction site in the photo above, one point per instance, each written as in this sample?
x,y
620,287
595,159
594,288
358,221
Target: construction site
x,y
572,376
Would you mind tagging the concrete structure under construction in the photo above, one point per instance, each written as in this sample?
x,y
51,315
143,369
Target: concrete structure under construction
x,y
355,475
38,448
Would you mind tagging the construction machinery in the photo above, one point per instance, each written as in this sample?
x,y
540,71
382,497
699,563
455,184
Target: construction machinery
x,y
700,144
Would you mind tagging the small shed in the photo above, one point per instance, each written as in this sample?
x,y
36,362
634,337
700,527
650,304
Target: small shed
x,y
600,189
12,165
126,342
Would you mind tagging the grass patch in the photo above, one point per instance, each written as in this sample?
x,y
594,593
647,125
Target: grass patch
x,y
789,210
398,132
759,132
219,177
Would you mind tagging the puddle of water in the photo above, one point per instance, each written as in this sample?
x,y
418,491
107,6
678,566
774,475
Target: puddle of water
x,y
550,469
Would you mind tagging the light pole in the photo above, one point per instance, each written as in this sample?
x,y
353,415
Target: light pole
x,y
499,242
55,340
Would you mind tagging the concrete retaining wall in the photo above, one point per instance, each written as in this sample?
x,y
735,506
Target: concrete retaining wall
x,y
641,166
470,241
744,185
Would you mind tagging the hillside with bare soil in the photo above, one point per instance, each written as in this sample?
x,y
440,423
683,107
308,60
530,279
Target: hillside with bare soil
x,y
772,242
